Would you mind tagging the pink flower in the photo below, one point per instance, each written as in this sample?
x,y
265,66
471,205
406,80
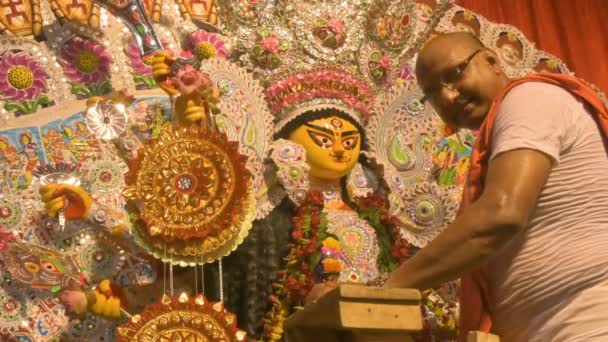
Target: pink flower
x,y
271,44
385,62
85,61
190,81
406,73
21,77
206,45
336,26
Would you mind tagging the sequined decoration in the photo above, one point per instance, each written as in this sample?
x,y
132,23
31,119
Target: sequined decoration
x,y
182,318
424,210
40,267
244,116
196,193
328,33
100,255
106,120
359,245
11,214
105,176
292,172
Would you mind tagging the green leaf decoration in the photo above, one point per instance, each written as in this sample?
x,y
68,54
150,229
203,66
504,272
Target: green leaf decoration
x,y
398,155
248,133
14,106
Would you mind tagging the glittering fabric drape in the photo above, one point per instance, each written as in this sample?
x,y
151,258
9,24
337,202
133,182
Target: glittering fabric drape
x,y
576,31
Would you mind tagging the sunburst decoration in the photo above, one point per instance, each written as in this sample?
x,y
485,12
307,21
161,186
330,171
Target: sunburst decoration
x,y
193,184
182,318
193,251
198,202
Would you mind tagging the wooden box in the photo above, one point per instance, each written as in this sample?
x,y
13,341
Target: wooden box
x,y
355,313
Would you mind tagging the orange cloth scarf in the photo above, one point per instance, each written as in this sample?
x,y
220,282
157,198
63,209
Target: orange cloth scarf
x,y
476,304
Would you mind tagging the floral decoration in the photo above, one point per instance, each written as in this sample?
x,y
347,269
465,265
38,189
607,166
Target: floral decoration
x,y
87,64
22,82
189,80
314,255
268,48
320,84
379,66
406,73
330,32
439,323
297,279
205,45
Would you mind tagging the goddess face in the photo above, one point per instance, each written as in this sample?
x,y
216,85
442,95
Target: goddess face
x,y
332,146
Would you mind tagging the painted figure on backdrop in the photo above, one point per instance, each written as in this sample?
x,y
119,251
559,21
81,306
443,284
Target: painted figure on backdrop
x,y
510,48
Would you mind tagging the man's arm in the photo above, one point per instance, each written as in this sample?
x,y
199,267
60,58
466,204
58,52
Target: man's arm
x,y
512,186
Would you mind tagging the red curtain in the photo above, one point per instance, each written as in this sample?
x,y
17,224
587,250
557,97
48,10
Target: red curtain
x,y
576,31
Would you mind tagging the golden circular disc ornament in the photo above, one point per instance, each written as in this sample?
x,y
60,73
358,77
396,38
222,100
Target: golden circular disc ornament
x,y
182,318
192,199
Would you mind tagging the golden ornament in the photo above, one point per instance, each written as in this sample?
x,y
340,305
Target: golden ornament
x,y
193,183
192,196
182,318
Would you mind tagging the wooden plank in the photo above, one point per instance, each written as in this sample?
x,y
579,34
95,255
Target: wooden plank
x,y
367,292
478,336
380,316
329,335
359,307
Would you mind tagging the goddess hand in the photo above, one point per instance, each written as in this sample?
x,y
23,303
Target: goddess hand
x,y
161,70
73,199
106,300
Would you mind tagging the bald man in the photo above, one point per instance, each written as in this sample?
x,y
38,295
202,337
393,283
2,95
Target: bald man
x,y
536,224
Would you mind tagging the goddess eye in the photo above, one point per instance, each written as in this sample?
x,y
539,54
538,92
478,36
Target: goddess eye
x,y
321,139
350,142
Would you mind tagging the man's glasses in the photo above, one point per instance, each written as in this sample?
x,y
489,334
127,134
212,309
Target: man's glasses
x,y
450,78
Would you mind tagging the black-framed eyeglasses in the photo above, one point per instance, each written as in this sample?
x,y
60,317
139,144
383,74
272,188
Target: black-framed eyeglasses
x,y
451,77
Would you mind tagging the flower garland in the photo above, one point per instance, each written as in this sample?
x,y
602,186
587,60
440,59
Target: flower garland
x,y
297,279
316,84
439,322
394,249
313,256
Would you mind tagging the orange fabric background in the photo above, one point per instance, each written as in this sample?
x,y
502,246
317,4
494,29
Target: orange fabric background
x,y
576,31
